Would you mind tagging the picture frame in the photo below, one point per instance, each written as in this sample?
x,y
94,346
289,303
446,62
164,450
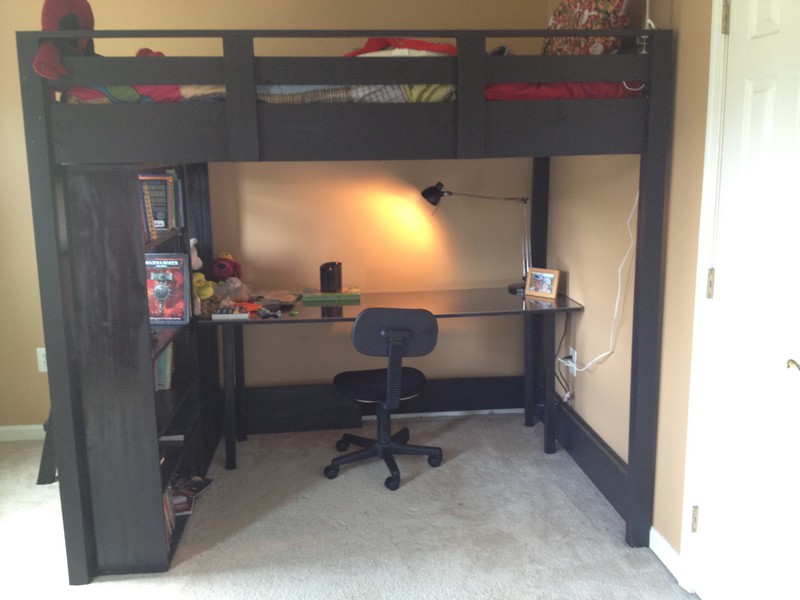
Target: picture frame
x,y
542,283
168,287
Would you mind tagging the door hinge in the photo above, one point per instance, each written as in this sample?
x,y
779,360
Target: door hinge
x,y
726,17
710,284
695,514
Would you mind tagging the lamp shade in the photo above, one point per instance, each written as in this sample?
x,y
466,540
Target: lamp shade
x,y
433,194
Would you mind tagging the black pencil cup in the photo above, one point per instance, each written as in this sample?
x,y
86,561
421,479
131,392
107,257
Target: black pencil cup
x,y
330,277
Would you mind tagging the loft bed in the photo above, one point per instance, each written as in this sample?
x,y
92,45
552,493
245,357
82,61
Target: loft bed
x,y
239,128
472,120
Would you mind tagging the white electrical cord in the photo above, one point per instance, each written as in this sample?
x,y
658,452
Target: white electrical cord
x,y
613,337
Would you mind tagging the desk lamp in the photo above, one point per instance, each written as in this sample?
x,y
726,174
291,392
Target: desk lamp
x,y
434,195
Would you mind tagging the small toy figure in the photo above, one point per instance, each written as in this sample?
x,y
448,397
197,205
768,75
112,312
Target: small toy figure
x,y
196,262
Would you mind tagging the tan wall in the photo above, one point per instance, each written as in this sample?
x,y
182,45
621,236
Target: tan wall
x,y
592,197
692,21
24,399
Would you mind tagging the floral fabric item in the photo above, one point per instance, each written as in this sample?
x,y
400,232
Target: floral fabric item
x,y
587,14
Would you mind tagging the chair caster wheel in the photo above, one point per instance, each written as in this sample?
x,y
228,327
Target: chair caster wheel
x,y
331,471
434,461
342,445
392,483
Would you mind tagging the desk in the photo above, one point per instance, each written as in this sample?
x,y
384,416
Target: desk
x,y
539,323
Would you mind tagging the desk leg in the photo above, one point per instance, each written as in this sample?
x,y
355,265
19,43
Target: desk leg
x,y
229,385
531,363
548,356
241,411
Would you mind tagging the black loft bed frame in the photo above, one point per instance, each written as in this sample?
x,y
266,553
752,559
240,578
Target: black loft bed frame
x,y
240,129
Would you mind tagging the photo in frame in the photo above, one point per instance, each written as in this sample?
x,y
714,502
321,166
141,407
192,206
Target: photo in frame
x,y
541,283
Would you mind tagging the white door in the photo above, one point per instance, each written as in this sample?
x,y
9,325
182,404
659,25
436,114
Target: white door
x,y
743,454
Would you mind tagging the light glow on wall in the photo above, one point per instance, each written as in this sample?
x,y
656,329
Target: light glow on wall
x,y
394,242
402,218
282,221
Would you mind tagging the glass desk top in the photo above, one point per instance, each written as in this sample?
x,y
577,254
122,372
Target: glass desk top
x,y
480,302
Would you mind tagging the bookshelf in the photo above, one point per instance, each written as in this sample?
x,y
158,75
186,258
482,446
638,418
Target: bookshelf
x,y
130,437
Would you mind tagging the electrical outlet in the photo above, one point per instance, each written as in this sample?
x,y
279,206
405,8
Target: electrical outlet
x,y
41,358
573,366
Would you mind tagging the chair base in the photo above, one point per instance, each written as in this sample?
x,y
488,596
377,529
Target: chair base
x,y
374,449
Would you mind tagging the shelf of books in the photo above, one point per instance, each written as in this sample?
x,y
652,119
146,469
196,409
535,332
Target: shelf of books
x,y
178,501
162,204
176,389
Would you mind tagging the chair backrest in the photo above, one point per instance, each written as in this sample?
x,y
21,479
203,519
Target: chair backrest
x,y
415,329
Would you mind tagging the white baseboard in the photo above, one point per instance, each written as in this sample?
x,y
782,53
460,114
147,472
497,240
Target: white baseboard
x,y
671,559
21,433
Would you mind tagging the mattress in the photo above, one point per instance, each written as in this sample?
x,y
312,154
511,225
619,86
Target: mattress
x,y
374,47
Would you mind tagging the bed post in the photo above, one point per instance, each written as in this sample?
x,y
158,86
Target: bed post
x,y
649,294
540,200
65,402
535,333
240,105
471,108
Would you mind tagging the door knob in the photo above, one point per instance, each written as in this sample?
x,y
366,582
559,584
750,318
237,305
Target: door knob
x,y
792,363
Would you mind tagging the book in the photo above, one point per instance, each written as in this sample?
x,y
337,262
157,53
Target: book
x,y
164,369
179,212
347,295
277,299
160,193
168,287
149,232
182,505
169,516
191,486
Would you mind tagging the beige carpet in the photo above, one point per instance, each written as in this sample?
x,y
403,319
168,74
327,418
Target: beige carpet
x,y
498,520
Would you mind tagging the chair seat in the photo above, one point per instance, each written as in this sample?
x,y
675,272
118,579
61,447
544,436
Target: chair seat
x,y
370,386
393,333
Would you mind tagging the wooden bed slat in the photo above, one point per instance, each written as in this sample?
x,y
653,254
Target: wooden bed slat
x,y
565,127
117,133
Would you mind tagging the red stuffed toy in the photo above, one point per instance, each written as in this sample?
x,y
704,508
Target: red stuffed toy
x,y
67,15
63,15
224,267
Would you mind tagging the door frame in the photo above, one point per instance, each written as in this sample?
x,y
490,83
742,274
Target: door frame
x,y
699,420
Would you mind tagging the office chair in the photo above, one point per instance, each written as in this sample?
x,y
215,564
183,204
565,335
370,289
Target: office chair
x,y
394,333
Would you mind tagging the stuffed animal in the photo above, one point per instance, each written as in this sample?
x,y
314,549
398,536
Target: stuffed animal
x,y
206,300
67,15
232,290
224,267
196,262
63,15
201,286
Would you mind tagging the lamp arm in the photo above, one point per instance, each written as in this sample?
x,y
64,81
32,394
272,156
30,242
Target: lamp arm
x,y
435,193
527,258
519,199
